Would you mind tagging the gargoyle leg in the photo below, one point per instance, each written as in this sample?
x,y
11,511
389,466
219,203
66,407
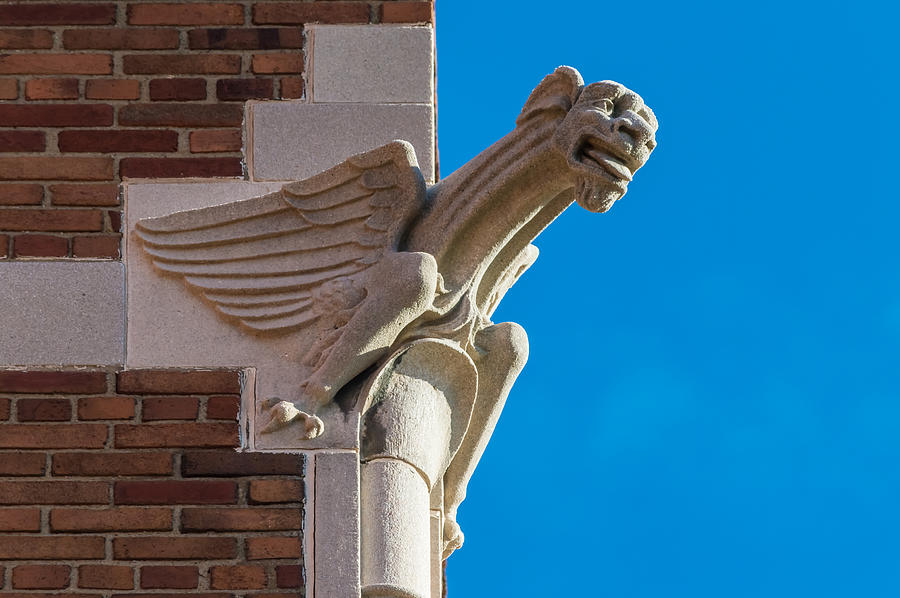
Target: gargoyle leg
x,y
399,288
503,350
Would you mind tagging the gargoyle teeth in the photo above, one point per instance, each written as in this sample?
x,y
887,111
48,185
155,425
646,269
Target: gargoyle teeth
x,y
607,162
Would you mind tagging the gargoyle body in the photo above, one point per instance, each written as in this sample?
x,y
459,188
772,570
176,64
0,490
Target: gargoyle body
x,y
376,260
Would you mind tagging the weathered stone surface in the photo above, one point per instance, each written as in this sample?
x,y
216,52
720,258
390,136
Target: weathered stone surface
x,y
396,535
61,313
373,64
293,140
337,535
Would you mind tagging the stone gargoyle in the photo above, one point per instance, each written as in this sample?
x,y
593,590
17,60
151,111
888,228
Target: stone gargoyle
x,y
378,260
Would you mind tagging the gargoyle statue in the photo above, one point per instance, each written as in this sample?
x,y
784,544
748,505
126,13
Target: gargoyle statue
x,y
374,259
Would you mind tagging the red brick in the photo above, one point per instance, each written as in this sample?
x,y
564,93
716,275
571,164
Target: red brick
x,y
58,13
249,519
40,577
43,410
194,435
31,594
9,89
156,408
25,39
56,115
227,463
67,169
120,39
164,548
180,64
112,464
4,245
51,89
39,246
4,409
407,12
225,140
91,408
223,407
20,194
85,195
105,246
167,595
53,493
154,168
180,115
272,595
177,89
169,578
241,577
217,13
176,492
244,89
105,577
55,64
31,436
291,88
310,12
51,548
104,520
123,140
277,63
20,520
115,220
179,382
269,491
22,141
246,39
273,548
112,89
22,464
50,220
288,576
47,382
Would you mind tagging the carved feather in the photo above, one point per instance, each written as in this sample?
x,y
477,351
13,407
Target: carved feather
x,y
260,261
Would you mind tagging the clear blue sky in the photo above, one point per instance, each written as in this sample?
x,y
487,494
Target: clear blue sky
x,y
711,407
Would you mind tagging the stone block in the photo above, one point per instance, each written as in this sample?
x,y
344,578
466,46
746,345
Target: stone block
x,y
293,140
372,64
337,525
62,313
171,326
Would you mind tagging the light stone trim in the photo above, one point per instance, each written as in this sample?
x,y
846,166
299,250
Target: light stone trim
x,y
62,313
388,64
337,525
290,141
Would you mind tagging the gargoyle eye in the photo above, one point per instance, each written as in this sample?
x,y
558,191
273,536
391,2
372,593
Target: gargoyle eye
x,y
606,105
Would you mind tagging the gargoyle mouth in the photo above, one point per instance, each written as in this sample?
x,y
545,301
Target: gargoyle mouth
x,y
595,153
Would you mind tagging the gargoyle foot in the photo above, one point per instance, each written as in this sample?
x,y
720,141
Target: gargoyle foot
x,y
283,413
453,536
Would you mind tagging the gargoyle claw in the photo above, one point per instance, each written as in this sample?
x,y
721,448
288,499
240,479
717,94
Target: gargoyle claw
x,y
283,413
453,536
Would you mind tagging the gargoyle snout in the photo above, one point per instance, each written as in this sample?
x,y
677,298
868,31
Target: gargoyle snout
x,y
633,126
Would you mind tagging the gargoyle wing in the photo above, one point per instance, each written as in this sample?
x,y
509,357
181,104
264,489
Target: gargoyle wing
x,y
261,261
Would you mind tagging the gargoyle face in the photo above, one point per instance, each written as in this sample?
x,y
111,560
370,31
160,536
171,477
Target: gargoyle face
x,y
606,136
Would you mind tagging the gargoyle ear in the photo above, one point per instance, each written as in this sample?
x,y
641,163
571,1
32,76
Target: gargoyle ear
x,y
558,91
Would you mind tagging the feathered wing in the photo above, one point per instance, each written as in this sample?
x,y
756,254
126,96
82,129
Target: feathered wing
x,y
260,261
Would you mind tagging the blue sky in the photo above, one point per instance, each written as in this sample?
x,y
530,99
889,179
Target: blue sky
x,y
711,406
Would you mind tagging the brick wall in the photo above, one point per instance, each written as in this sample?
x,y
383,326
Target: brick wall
x,y
92,92
127,483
